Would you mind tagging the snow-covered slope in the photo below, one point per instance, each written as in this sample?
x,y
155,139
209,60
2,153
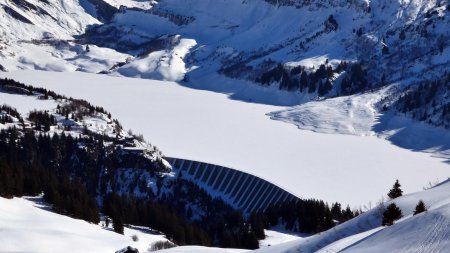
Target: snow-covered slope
x,y
33,19
28,226
162,65
200,249
272,238
40,35
361,115
210,127
421,233
354,115
142,4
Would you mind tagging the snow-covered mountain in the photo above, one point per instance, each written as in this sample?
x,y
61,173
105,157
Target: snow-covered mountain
x,y
271,43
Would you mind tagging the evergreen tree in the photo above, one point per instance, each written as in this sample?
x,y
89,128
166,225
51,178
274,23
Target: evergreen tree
x,y
249,240
395,192
392,213
227,240
303,81
118,225
336,212
325,87
347,214
420,208
312,86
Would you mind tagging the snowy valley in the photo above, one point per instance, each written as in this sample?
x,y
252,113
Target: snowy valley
x,y
224,126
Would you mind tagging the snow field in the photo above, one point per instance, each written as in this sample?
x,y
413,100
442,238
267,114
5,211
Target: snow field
x,y
28,226
25,104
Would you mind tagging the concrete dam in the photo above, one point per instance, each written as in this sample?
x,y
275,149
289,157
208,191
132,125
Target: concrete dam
x,y
239,189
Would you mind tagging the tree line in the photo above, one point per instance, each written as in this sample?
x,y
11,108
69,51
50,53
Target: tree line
x,y
64,195
308,216
320,80
13,86
146,212
427,102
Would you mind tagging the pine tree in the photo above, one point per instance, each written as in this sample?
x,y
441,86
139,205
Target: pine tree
x,y
312,86
303,81
420,208
249,240
107,222
336,211
392,213
118,225
395,192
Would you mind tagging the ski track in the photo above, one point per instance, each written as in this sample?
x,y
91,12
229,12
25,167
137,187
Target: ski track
x,y
439,232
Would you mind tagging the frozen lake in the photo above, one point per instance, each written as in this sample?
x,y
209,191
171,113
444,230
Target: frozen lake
x,y
210,127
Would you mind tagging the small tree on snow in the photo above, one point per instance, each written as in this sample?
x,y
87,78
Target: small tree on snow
x,y
159,245
106,222
395,192
118,225
392,213
420,208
